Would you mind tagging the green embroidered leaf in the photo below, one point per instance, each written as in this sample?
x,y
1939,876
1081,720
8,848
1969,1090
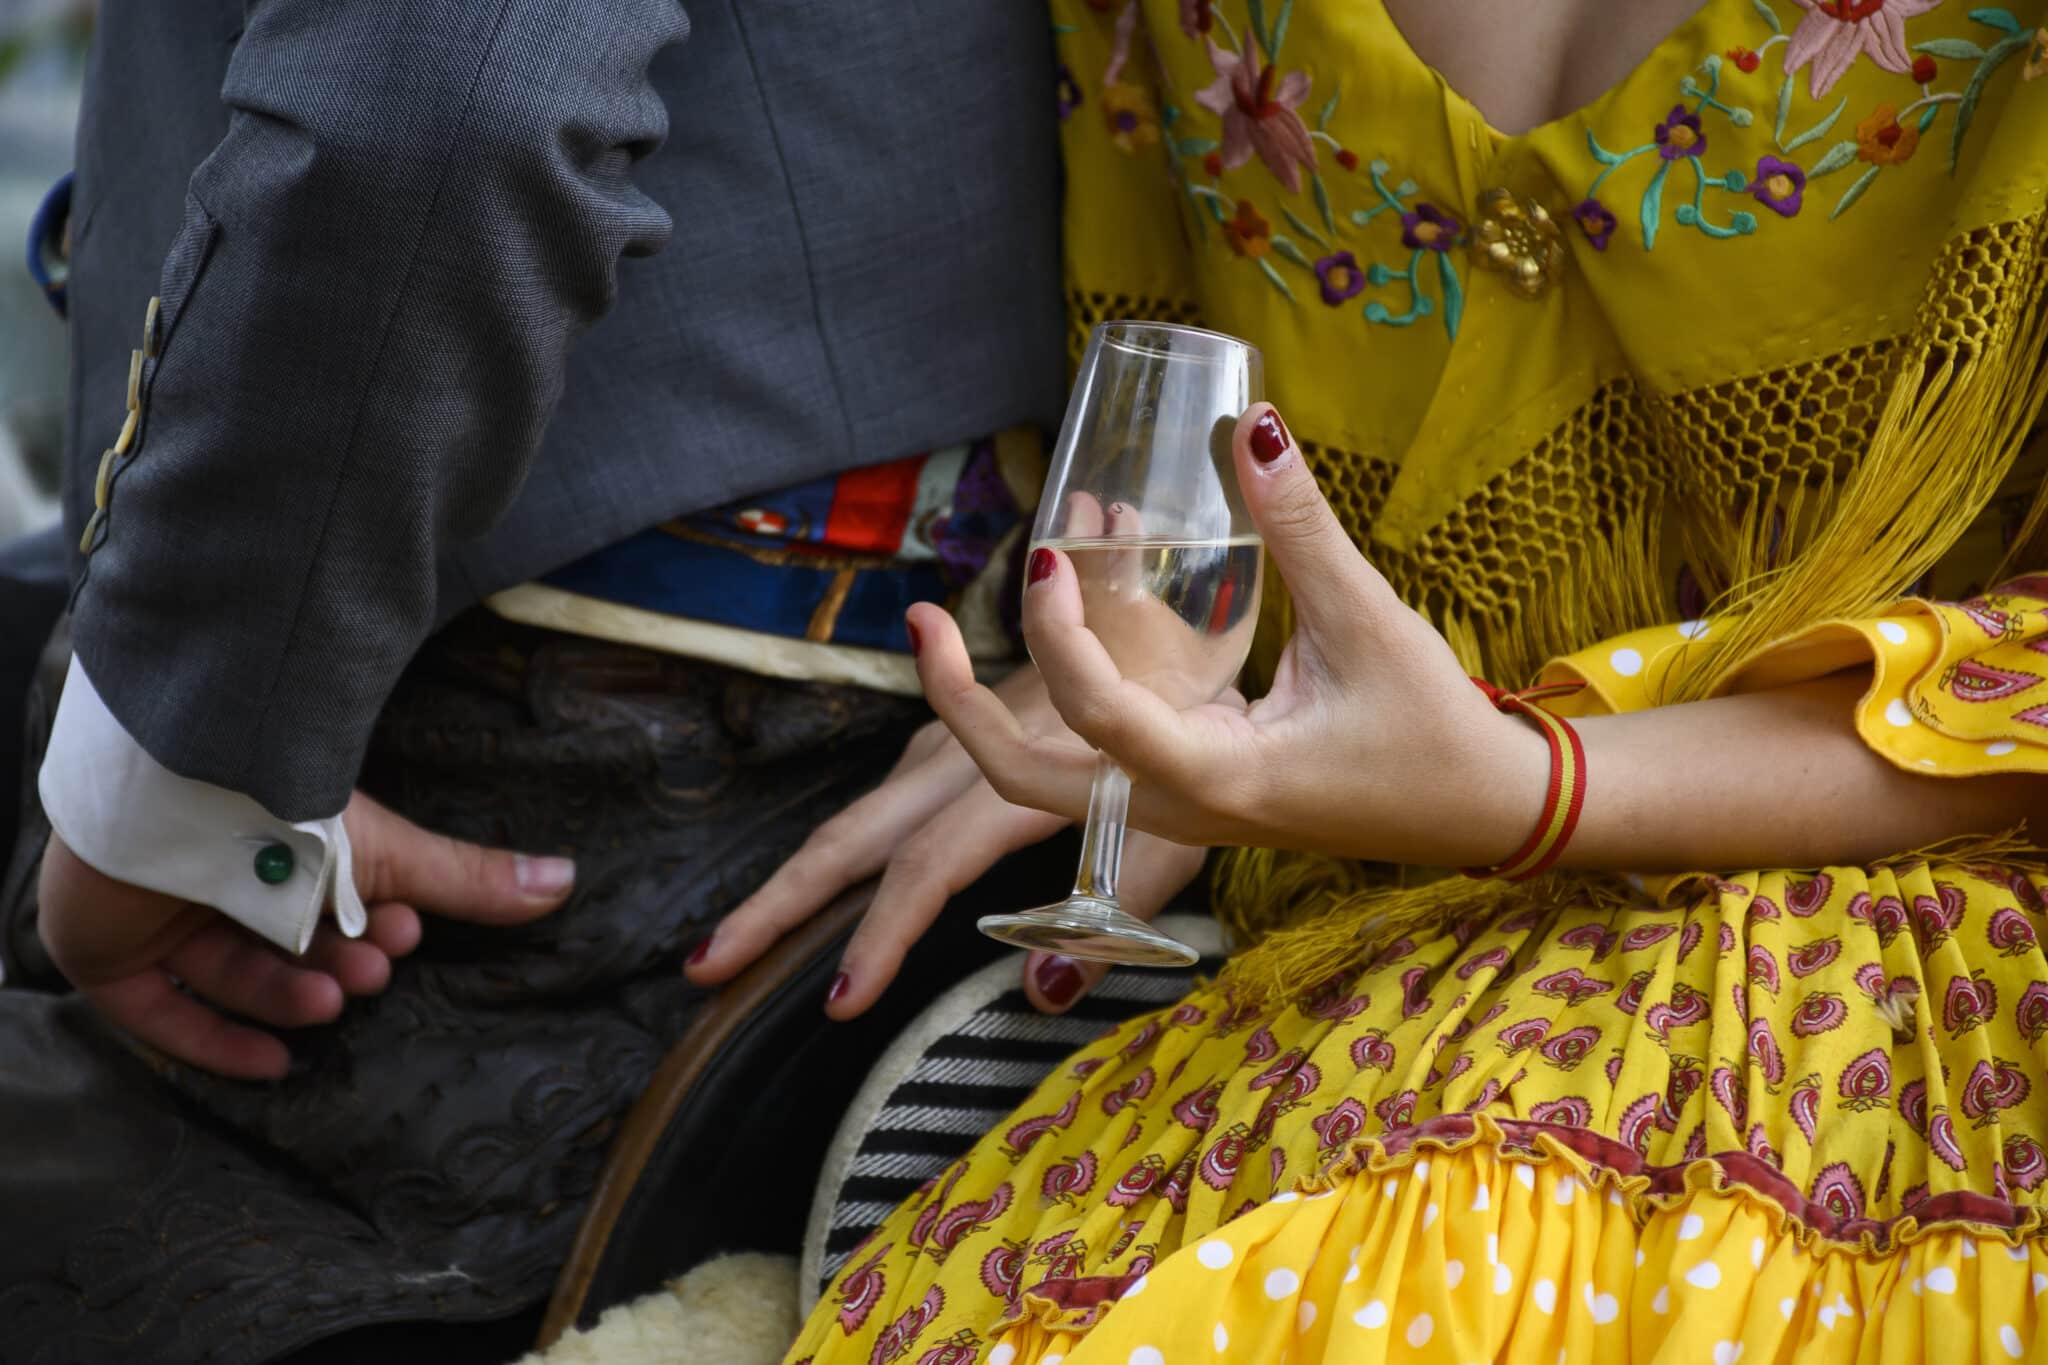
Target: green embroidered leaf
x,y
1770,15
1379,166
1855,191
1967,110
1999,19
1199,146
1785,109
1600,154
1454,293
1303,228
1928,116
1286,247
1819,129
1960,49
1280,29
1653,205
1405,189
1323,204
1329,108
1737,181
1377,274
1064,29
1360,217
1266,268
1255,13
1832,160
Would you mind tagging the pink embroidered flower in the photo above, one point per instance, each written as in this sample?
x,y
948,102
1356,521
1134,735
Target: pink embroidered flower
x,y
1257,108
1680,134
1835,33
1779,186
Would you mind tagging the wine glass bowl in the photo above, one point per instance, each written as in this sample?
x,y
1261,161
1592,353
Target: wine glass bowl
x,y
1143,503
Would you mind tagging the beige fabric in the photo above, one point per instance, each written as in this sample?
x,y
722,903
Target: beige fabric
x,y
736,1310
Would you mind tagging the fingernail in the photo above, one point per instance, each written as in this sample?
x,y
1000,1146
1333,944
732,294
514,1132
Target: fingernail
x,y
839,985
1042,565
1059,980
544,878
916,640
1269,437
701,951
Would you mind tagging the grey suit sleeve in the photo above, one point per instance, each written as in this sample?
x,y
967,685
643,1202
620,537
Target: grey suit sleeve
x,y
418,206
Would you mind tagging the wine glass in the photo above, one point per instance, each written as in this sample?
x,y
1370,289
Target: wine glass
x,y
1144,503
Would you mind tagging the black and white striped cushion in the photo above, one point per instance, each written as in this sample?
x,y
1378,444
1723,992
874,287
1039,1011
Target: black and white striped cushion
x,y
959,1070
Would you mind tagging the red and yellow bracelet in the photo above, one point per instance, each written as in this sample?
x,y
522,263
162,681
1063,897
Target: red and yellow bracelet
x,y
1567,782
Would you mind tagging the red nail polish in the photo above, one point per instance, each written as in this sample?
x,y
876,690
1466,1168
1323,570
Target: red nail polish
x,y
1042,565
839,985
699,953
1269,437
916,640
1058,980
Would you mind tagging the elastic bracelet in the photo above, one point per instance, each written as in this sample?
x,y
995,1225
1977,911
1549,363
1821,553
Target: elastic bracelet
x,y
1567,782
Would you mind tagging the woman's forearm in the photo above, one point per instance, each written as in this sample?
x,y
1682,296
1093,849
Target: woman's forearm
x,y
1769,779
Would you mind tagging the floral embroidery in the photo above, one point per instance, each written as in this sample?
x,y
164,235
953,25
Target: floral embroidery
x,y
1431,228
2037,57
1249,233
1779,185
1679,134
1258,115
1341,278
1133,119
1069,93
1835,32
1881,141
1745,59
1597,222
1682,137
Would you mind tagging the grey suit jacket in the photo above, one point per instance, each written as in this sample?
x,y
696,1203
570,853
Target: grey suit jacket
x,y
400,361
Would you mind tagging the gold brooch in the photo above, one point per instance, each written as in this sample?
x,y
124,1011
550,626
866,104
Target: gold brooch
x,y
1518,239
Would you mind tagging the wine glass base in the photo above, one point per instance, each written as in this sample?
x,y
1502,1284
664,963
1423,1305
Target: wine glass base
x,y
1092,929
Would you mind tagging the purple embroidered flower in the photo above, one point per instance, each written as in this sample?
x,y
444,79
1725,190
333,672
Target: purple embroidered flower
x,y
1596,221
1430,227
1779,186
1679,134
1341,277
1069,93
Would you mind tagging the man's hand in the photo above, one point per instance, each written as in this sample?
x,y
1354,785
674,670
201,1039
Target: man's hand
x,y
129,950
931,829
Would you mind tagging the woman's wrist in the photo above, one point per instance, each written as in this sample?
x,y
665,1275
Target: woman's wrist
x,y
1507,786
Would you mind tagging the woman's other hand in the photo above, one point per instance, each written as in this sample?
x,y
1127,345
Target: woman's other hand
x,y
931,829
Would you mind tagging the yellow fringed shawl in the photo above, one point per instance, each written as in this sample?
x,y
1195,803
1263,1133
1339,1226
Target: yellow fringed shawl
x,y
1786,352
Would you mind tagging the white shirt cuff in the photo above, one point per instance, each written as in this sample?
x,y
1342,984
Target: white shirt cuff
x,y
132,819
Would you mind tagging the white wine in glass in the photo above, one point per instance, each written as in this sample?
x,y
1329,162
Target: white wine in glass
x,y
1143,502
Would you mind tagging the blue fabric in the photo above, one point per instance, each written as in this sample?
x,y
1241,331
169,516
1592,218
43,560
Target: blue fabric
x,y
44,231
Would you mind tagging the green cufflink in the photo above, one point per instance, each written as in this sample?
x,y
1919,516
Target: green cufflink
x,y
274,864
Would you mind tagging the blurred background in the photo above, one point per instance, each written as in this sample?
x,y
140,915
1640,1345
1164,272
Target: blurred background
x,y
42,60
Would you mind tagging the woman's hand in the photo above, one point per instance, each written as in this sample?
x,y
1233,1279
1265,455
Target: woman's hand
x,y
1371,744
931,829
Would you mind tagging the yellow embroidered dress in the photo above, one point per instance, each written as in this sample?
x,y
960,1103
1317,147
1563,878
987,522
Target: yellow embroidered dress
x,y
1722,381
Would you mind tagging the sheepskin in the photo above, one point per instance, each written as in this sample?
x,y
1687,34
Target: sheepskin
x,y
735,1310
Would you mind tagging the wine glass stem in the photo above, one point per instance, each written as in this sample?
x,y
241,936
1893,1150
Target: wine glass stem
x,y
1102,838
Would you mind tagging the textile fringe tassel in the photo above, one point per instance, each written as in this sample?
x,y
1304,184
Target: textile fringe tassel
x,y
1968,388
1958,414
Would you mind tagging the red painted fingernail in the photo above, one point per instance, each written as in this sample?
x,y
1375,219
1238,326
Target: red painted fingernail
x,y
916,640
1058,979
699,953
839,985
1042,565
1269,437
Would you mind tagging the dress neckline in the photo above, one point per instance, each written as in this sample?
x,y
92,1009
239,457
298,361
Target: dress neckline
x,y
1458,99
